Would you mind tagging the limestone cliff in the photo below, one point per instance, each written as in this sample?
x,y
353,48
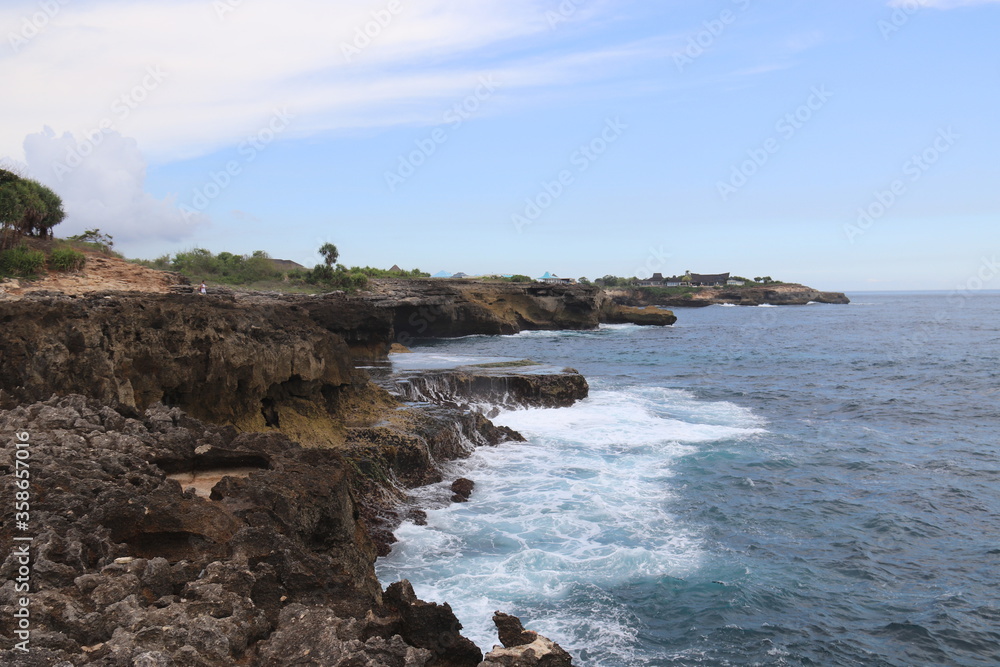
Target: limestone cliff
x,y
436,308
176,522
751,295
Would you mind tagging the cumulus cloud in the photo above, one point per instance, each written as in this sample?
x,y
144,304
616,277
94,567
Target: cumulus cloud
x,y
102,184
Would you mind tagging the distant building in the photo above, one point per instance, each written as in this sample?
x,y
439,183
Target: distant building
x,y
460,275
676,281
395,269
553,279
442,274
709,279
735,282
655,281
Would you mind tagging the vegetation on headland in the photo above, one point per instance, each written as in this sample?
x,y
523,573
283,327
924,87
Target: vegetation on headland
x,y
28,212
635,282
27,208
258,270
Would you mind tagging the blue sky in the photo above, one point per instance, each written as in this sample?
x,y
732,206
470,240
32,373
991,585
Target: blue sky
x,y
846,145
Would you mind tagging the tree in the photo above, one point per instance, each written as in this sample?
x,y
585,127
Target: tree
x,y
27,207
97,237
330,254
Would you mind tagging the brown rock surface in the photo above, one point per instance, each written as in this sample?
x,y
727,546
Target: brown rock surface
x,y
101,273
129,569
523,648
783,294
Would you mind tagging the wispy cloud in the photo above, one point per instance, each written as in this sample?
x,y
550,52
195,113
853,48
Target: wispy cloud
x,y
225,71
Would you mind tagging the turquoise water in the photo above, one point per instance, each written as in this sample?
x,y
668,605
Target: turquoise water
x,y
774,486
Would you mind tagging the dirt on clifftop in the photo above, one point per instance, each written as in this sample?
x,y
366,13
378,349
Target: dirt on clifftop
x,y
102,273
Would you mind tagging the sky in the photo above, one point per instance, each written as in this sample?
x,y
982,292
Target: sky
x,y
847,145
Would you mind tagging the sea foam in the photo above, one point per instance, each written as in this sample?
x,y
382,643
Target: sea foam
x,y
582,507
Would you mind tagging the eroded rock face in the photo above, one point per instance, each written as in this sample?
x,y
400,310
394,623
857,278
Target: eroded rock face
x,y
507,388
436,308
775,295
523,648
128,568
217,357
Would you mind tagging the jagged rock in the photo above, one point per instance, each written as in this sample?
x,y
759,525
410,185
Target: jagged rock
x,y
130,569
462,488
511,388
312,636
523,648
431,626
217,358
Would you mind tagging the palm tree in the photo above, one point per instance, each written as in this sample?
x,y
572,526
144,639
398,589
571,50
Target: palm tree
x,y
330,253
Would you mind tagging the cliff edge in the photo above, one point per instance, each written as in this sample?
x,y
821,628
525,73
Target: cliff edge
x,y
784,294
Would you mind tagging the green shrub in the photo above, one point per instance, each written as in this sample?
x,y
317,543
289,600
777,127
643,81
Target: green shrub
x,y
21,261
200,264
66,259
334,278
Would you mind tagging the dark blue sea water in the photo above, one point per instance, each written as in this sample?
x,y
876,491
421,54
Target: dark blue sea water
x,y
814,485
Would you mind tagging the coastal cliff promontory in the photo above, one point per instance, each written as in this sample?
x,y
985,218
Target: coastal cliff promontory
x,y
212,478
779,294
440,308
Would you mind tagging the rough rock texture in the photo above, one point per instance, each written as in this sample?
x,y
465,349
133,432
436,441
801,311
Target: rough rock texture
x,y
648,316
132,568
219,358
462,489
775,295
523,648
436,308
508,388
129,569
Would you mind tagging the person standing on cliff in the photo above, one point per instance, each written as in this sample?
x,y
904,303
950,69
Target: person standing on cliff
x,y
203,289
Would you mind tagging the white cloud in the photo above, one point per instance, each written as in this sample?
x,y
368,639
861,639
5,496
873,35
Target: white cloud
x,y
222,77
940,4
105,189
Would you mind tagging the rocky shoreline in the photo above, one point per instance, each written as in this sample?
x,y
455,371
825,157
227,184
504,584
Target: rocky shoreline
x,y
212,478
784,294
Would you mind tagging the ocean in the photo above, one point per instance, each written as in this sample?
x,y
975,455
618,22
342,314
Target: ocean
x,y
803,485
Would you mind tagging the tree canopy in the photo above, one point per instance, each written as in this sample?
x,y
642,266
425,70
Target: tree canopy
x,y
28,207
